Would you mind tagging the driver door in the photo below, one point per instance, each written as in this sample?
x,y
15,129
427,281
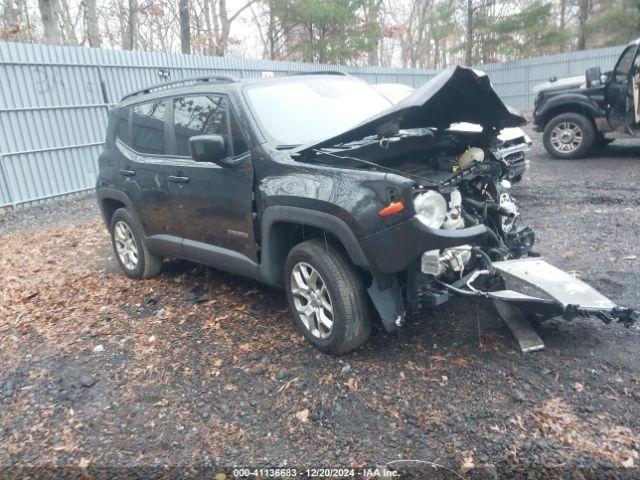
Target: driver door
x,y
622,103
215,203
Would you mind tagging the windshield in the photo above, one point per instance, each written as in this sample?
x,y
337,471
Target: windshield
x,y
305,110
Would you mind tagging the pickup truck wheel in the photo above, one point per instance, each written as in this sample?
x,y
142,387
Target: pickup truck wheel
x,y
327,297
569,135
132,255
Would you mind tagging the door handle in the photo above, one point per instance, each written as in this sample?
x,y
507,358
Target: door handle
x,y
175,179
127,173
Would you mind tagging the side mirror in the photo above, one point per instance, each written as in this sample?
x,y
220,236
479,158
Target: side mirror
x,y
593,77
208,148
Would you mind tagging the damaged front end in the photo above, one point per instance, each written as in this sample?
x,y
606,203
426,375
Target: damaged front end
x,y
499,265
461,234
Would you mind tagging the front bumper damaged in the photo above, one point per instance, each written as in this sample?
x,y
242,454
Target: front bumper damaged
x,y
572,296
415,238
536,290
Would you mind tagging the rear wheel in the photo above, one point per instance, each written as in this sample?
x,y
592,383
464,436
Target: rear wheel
x,y
569,135
327,297
132,255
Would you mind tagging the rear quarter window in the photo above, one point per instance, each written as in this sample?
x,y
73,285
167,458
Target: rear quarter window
x,y
121,129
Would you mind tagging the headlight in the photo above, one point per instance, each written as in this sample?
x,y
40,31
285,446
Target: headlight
x,y
431,208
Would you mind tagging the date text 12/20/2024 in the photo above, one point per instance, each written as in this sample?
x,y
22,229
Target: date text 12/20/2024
x,y
328,473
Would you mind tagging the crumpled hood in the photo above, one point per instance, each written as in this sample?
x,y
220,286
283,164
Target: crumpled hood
x,y
455,95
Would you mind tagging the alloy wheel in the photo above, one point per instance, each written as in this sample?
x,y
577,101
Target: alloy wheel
x,y
566,137
312,300
125,245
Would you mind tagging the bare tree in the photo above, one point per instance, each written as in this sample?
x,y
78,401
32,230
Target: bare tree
x,y
468,50
584,11
185,27
222,21
91,22
373,17
274,29
49,16
130,40
67,24
10,17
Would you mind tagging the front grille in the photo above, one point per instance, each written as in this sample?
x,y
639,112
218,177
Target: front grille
x,y
515,159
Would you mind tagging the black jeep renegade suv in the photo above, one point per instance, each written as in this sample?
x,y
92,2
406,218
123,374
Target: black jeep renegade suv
x,y
318,185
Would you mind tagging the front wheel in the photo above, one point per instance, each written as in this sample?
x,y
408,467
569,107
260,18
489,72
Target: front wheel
x,y
327,297
568,136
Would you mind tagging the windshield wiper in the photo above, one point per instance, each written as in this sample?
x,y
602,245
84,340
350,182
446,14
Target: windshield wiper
x,y
287,147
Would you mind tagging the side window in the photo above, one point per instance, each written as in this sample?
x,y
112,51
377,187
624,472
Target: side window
x,y
198,116
147,133
122,125
201,115
624,65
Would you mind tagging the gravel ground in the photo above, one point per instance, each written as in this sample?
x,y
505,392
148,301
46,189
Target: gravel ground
x,y
201,369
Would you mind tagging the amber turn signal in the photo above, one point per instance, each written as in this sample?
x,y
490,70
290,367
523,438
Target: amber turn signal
x,y
392,208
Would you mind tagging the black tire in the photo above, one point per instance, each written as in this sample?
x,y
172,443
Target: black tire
x,y
148,264
582,124
351,323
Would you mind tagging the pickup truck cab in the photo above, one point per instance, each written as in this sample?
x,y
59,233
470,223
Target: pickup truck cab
x,y
580,113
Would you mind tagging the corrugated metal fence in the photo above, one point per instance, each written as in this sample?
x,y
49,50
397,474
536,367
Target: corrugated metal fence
x,y
54,101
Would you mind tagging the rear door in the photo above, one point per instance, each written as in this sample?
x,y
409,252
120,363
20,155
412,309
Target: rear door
x,y
145,167
215,203
619,90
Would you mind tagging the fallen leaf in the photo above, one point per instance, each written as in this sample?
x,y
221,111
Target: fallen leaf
x,y
303,415
467,463
578,387
628,463
352,384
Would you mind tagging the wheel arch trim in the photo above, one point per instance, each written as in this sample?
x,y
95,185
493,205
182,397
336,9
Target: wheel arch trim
x,y
108,193
272,215
569,104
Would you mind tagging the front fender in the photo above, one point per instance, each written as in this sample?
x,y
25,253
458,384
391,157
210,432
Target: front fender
x,y
569,102
273,249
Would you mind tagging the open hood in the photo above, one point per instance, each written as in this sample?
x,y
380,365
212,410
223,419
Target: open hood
x,y
455,95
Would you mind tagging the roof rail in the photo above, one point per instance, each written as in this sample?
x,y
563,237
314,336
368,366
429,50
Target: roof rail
x,y
162,86
322,72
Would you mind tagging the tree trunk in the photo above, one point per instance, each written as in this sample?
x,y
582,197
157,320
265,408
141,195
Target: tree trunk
x,y
10,16
206,11
583,15
225,28
374,18
563,13
468,53
48,13
68,25
131,37
185,27
91,21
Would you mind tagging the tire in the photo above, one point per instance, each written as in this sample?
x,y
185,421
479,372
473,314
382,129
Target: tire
x,y
146,264
346,295
574,141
